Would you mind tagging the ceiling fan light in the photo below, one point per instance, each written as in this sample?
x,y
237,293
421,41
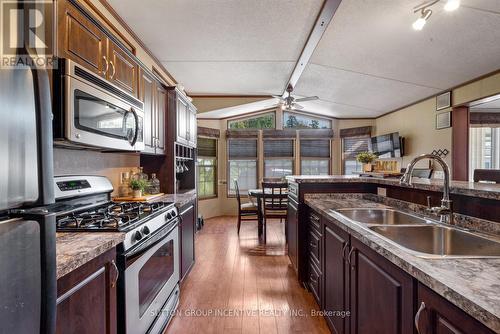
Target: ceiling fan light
x,y
419,23
451,5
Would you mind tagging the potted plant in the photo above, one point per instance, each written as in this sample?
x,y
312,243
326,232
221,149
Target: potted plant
x,y
367,159
138,187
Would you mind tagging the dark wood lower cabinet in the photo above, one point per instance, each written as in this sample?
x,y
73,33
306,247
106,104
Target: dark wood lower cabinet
x,y
381,294
436,315
380,297
187,229
86,301
336,278
292,233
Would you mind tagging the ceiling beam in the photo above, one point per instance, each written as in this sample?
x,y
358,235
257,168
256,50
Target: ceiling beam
x,y
324,18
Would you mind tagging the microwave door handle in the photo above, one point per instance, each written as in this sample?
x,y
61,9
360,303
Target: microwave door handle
x,y
136,134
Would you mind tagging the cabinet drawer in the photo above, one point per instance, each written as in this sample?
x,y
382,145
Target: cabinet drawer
x,y
315,247
314,222
314,282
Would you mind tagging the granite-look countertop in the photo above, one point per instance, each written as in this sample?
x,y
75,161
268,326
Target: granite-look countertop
x,y
471,284
75,249
179,199
476,189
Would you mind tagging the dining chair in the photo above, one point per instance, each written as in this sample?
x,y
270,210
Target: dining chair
x,y
275,200
246,211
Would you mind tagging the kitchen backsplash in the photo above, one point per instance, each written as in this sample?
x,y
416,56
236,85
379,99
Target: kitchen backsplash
x,y
78,162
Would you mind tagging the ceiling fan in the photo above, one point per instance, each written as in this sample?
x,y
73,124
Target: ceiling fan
x,y
290,103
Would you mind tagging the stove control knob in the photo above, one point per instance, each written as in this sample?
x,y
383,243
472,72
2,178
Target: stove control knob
x,y
145,230
138,235
174,213
169,216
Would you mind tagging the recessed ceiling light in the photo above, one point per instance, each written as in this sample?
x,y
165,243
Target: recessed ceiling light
x,y
451,5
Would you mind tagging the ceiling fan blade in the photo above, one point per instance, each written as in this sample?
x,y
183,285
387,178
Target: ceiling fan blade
x,y
297,106
310,98
277,97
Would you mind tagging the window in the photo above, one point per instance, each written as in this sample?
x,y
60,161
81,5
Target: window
x,y
300,121
207,167
484,149
314,156
242,164
351,146
262,121
278,157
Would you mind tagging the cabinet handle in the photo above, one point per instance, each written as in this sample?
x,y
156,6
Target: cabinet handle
x,y
107,65
112,68
417,316
117,272
349,257
343,250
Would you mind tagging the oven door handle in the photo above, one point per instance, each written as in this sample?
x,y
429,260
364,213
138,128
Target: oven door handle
x,y
151,242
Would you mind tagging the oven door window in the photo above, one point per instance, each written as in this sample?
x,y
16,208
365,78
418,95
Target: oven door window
x,y
154,274
97,116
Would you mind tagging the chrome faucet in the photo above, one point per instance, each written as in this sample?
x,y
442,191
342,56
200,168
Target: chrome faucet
x,y
446,209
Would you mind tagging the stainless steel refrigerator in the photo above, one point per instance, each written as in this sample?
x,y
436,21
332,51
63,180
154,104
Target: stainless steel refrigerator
x,y
27,236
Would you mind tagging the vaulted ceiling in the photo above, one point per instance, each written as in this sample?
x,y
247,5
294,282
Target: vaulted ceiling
x,y
368,62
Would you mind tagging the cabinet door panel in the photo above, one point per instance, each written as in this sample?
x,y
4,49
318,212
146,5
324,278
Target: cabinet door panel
x,y
192,126
292,230
381,295
147,89
122,69
182,120
439,316
161,101
336,274
80,40
187,239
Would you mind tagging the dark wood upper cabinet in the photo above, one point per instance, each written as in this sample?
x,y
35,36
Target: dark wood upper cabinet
x,y
185,117
436,315
336,278
80,39
86,43
147,96
153,95
187,230
122,69
381,294
160,108
86,301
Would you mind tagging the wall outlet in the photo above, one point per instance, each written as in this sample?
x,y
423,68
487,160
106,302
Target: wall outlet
x,y
382,191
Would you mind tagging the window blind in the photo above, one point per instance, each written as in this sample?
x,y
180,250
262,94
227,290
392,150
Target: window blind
x,y
239,148
354,145
278,148
207,147
315,148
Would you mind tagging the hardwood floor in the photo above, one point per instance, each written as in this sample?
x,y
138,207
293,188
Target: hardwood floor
x,y
251,286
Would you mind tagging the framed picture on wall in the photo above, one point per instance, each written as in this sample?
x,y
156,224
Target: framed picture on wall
x,y
443,101
443,120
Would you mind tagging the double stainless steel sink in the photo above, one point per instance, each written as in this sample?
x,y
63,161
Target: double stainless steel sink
x,y
422,237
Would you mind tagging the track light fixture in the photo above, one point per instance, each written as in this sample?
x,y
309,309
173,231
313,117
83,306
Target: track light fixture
x,y
425,11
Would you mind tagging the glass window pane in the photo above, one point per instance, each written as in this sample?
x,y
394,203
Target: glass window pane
x,y
299,121
263,121
207,177
352,166
278,168
245,171
314,167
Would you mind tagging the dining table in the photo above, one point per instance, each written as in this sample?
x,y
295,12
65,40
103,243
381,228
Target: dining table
x,y
258,194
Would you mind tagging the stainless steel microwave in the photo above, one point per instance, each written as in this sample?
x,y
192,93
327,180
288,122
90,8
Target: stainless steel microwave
x,y
91,112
